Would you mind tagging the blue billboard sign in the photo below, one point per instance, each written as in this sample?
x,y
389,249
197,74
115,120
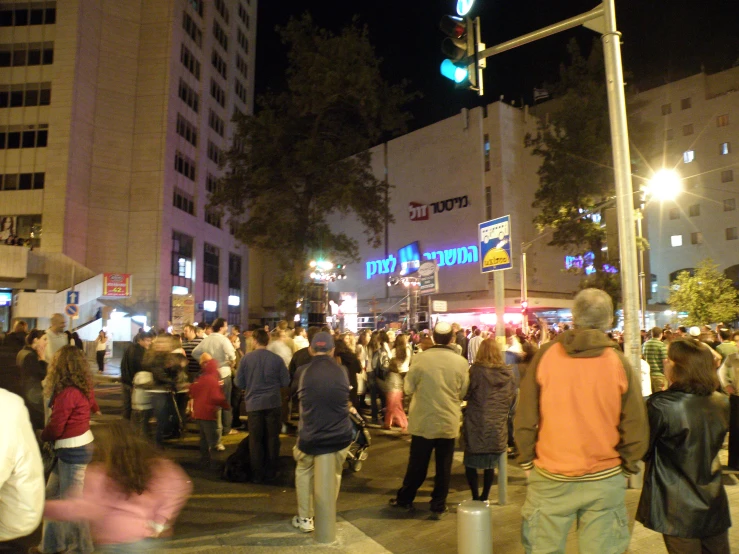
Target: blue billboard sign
x,y
495,244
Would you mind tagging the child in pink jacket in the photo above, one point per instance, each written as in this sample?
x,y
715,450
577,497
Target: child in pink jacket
x,y
131,493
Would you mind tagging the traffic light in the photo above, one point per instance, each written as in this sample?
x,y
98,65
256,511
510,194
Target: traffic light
x,y
461,47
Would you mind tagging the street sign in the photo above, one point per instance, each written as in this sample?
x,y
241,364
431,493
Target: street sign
x,y
428,277
73,297
72,310
495,244
439,305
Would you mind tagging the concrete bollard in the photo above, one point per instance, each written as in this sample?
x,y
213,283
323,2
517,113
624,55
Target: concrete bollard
x,y
474,528
324,497
503,479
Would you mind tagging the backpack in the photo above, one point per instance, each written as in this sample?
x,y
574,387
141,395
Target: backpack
x,y
380,362
238,468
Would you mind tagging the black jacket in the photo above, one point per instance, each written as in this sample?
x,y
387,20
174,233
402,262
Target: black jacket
x,y
33,372
683,495
131,362
489,399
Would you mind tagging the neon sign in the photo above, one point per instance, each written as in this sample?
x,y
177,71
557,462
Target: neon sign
x,y
586,262
449,257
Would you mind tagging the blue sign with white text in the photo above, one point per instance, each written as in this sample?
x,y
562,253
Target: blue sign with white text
x,y
495,244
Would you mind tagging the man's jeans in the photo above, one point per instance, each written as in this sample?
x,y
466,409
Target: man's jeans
x,y
598,508
304,471
224,418
61,536
264,442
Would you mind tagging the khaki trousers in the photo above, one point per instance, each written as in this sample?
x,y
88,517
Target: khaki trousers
x,y
304,477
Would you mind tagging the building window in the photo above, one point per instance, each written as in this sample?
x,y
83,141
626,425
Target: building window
x,y
216,123
724,148
28,94
685,104
218,93
18,55
187,130
722,120
214,153
183,201
676,240
220,35
240,90
242,66
674,213
687,129
190,62
218,63
242,40
184,166
24,136
222,9
189,96
192,30
210,264
182,260
727,176
666,109
729,204
211,183
731,233
486,153
694,210
197,5
234,271
688,156
243,15
669,134
212,218
21,15
22,181
488,203
696,238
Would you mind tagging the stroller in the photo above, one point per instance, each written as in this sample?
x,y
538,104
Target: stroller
x,y
361,441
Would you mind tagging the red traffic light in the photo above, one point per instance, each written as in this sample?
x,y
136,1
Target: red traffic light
x,y
453,27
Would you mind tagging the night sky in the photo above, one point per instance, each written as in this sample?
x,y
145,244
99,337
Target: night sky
x,y
663,40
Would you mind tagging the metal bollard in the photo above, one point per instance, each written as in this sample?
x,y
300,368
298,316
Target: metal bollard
x,y
324,497
503,479
637,481
474,528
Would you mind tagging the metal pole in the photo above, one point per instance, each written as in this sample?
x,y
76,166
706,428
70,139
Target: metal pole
x,y
524,288
624,190
474,528
499,295
503,479
324,494
642,274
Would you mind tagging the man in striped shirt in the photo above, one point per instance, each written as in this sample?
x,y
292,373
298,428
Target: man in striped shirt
x,y
655,352
192,339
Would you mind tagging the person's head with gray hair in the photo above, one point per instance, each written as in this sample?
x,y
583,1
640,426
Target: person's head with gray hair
x,y
592,309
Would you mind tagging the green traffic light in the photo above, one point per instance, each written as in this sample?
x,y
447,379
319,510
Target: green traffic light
x,y
453,72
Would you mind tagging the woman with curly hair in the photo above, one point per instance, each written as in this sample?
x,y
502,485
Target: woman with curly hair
x,y
69,386
132,494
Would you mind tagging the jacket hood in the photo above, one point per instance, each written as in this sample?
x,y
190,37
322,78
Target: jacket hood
x,y
211,368
585,343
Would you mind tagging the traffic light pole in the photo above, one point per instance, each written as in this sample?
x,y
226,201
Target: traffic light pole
x,y
602,19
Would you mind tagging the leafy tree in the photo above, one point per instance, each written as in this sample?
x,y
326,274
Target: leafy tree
x,y
707,295
304,155
576,176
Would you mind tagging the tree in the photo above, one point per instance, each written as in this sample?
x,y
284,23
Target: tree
x,y
304,155
576,178
707,295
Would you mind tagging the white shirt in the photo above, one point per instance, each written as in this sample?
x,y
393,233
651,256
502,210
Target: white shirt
x,y
300,342
220,348
281,348
22,486
646,379
56,342
473,347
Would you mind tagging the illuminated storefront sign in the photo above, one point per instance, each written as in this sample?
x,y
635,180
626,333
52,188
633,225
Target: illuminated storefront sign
x,y
586,263
450,257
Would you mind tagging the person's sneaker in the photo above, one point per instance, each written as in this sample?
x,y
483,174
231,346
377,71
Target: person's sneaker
x,y
438,515
220,447
393,502
305,524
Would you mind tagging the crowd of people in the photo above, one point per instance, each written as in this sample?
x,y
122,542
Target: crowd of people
x,y
565,402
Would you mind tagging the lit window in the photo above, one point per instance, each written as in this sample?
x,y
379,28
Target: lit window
x,y
731,233
210,305
234,300
676,240
487,152
722,120
696,238
688,156
725,148
729,204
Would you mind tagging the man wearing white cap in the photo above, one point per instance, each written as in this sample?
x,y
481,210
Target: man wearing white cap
x,y
437,382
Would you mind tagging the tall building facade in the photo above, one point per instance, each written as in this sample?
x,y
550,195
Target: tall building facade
x,y
696,120
114,119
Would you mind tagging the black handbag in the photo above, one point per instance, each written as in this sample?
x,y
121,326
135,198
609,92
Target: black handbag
x,y
49,458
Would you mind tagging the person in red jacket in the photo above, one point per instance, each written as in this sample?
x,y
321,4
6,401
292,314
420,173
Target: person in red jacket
x,y
207,397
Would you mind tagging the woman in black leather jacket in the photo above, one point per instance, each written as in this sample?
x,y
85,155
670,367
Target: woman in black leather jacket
x,y
683,496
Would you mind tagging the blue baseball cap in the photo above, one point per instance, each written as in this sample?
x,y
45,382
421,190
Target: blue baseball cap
x,y
322,342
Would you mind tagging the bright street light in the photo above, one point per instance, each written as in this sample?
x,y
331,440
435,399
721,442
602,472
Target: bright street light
x,y
666,184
